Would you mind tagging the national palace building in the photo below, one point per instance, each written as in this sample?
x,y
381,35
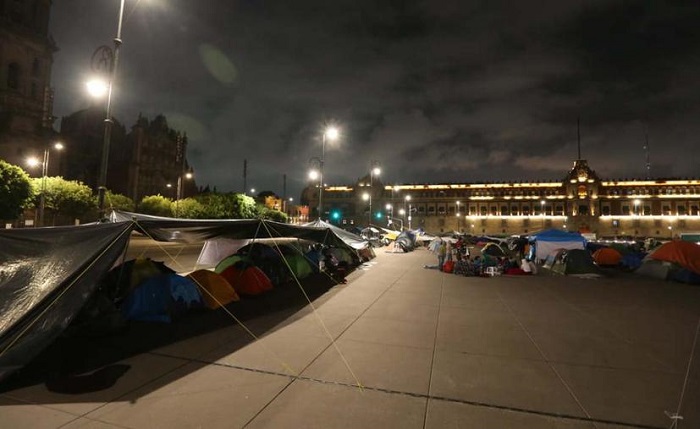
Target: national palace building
x,y
582,201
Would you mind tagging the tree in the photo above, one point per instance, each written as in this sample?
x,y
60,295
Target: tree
x,y
119,202
69,198
156,205
243,206
15,190
272,214
228,206
190,208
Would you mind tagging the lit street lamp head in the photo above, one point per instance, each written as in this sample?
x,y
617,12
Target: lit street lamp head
x,y
97,88
331,133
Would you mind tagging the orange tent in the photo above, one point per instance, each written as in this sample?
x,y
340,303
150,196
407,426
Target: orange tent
x,y
247,280
607,256
215,289
684,253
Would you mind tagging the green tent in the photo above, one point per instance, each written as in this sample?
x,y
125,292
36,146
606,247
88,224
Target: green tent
x,y
299,265
576,262
227,262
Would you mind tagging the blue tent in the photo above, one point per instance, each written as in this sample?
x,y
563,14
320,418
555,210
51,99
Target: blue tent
x,y
550,240
158,298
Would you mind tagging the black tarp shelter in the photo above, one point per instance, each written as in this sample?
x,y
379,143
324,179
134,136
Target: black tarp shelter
x,y
48,274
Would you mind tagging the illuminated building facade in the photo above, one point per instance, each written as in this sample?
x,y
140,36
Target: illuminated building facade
x,y
582,201
26,98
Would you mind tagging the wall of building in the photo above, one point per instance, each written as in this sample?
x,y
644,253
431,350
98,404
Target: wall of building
x,y
26,99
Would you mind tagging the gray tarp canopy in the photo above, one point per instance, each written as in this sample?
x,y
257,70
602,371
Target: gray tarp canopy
x,y
352,240
48,274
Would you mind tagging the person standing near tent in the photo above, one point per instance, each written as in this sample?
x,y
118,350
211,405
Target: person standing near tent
x,y
441,253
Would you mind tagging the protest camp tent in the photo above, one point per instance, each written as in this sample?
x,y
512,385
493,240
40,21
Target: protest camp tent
x,y
493,249
544,242
216,291
607,257
247,279
575,262
159,298
684,253
407,240
55,271
676,260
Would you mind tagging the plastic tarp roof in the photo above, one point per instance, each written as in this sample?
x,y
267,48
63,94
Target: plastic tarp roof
x,y
48,274
352,240
550,240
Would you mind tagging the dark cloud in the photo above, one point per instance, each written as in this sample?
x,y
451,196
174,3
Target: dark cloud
x,y
435,91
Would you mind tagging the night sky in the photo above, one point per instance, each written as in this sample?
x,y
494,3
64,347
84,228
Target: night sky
x,y
435,91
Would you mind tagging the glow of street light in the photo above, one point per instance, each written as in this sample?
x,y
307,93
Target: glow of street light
x,y
33,162
331,133
97,88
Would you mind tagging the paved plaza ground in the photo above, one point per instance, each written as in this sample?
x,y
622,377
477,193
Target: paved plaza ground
x,y
401,346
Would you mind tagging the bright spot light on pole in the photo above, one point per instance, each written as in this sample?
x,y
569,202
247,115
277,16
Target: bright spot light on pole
x,y
97,88
33,162
332,133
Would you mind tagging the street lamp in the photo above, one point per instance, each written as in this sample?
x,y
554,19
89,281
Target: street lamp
x,y
542,202
408,200
179,192
106,57
33,162
331,133
368,197
374,171
637,202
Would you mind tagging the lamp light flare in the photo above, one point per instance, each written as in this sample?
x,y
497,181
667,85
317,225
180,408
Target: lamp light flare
x,y
33,162
332,133
97,88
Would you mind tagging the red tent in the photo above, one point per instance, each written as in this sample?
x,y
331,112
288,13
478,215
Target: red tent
x,y
607,256
684,253
247,279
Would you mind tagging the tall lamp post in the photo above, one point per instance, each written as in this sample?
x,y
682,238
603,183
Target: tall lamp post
x,y
33,162
179,192
459,214
104,56
331,133
374,171
542,202
410,209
